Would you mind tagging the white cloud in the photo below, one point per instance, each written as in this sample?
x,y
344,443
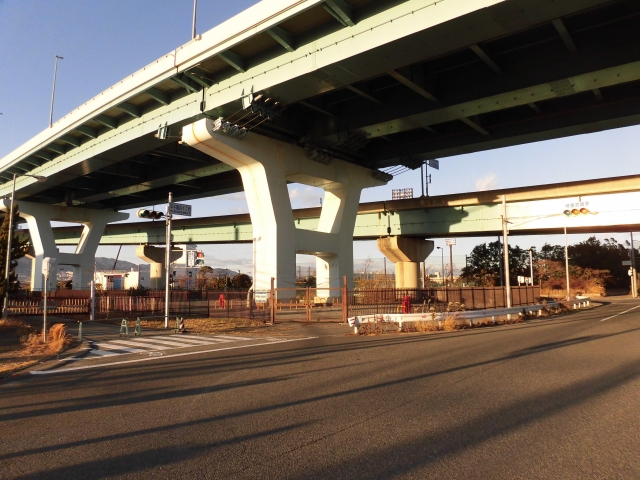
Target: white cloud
x,y
487,182
303,196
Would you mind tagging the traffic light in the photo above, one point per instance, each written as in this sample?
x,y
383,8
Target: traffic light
x,y
199,258
578,211
149,214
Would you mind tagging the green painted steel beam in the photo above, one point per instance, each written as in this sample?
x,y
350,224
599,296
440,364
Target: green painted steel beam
x,y
106,121
342,10
54,147
233,59
159,96
89,132
283,37
44,155
131,109
75,141
186,83
200,76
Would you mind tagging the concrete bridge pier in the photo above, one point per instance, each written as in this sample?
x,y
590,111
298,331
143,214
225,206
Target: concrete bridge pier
x,y
39,217
406,253
266,166
156,256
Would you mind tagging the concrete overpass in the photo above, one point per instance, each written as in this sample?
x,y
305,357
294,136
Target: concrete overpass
x,y
534,210
330,92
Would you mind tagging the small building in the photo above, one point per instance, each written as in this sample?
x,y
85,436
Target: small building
x,y
120,279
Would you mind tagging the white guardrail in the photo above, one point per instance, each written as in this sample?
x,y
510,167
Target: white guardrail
x,y
471,315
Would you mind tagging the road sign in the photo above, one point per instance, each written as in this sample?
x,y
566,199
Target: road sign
x,y
401,193
260,297
180,209
450,241
434,163
191,258
626,263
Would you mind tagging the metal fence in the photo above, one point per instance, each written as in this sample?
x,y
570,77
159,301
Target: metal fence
x,y
281,304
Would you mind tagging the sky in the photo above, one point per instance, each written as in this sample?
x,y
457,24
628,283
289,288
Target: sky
x,y
104,41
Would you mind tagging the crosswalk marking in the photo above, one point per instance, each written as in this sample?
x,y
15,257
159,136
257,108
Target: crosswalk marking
x,y
122,346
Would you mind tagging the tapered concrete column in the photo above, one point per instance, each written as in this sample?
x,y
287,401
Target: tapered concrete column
x,y
406,253
39,217
156,258
266,166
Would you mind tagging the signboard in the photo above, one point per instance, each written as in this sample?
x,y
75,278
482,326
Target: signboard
x,y
260,297
434,164
48,264
626,263
180,209
401,193
191,258
450,241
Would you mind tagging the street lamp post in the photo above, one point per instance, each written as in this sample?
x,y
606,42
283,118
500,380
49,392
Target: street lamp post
x,y
53,90
10,239
442,251
566,262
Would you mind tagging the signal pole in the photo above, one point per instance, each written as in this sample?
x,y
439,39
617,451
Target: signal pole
x,y
167,292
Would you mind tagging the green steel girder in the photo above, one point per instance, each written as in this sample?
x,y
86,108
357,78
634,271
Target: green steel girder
x,y
74,141
283,37
108,122
186,83
132,110
200,76
89,132
159,96
54,147
235,60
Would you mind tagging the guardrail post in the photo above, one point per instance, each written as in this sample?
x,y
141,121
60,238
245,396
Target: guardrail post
x,y
138,330
124,328
80,331
273,302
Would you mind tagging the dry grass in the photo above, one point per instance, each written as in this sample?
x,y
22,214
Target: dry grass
x,y
451,323
203,325
22,345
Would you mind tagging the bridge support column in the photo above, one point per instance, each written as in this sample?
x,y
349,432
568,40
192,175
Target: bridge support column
x,y
39,217
266,166
156,258
406,253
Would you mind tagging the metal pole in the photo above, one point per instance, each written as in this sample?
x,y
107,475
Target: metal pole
x,y
442,261
500,263
451,262
167,263
566,262
93,300
634,280
422,177
505,235
44,315
531,265
53,90
193,26
5,306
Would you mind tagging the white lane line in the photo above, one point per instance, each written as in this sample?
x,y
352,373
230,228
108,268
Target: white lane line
x,y
137,344
206,340
107,347
233,337
159,341
147,359
618,314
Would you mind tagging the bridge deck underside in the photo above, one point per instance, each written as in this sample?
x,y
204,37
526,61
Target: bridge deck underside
x,y
513,73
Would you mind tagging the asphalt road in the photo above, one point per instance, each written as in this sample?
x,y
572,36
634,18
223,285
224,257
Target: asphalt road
x,y
546,399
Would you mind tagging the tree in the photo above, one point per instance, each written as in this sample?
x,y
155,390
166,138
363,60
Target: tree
x,y
19,248
483,264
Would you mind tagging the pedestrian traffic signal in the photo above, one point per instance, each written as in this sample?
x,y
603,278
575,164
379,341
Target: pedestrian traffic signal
x,y
149,214
199,258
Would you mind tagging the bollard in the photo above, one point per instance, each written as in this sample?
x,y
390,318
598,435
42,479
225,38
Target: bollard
x,y
124,328
138,331
80,331
179,325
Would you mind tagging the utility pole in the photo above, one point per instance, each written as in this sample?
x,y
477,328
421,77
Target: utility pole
x,y
634,279
566,262
531,265
505,233
167,293
53,91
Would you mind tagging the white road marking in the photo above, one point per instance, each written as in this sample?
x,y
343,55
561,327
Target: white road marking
x,y
618,314
107,347
233,337
135,344
205,340
148,340
146,359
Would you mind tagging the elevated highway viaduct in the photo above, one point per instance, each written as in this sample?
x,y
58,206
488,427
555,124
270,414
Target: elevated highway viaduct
x,y
337,94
